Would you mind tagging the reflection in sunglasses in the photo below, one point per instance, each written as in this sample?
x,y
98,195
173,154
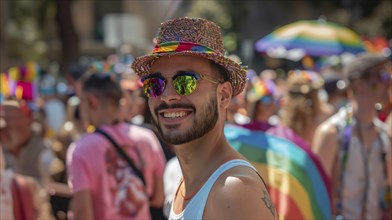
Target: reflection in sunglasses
x,y
184,83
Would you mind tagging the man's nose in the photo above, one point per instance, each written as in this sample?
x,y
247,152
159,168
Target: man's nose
x,y
169,93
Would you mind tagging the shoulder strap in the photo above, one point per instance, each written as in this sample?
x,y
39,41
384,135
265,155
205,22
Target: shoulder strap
x,y
201,197
122,153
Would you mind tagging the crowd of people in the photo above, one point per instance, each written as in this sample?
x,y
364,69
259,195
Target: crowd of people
x,y
143,138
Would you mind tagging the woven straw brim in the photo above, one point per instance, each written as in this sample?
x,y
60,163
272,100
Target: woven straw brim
x,y
237,73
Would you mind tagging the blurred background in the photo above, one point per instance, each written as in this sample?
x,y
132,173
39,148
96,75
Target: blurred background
x,y
56,33
46,45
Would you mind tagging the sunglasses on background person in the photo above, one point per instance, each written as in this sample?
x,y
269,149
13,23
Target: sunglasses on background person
x,y
184,83
381,76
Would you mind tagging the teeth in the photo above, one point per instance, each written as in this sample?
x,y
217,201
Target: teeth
x,y
174,114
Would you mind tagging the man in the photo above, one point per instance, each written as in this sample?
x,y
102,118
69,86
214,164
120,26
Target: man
x,y
262,104
28,159
21,196
190,84
354,147
104,183
25,150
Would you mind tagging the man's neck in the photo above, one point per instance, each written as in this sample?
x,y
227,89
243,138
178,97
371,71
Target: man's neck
x,y
200,158
363,112
108,117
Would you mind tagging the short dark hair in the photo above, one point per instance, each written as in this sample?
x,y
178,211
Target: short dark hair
x,y
103,85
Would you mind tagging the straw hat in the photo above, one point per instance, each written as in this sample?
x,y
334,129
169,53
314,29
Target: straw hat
x,y
192,36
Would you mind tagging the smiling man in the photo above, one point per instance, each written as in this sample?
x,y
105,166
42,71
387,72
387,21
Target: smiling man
x,y
190,84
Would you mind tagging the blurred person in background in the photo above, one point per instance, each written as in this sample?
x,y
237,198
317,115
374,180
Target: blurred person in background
x,y
354,147
104,182
25,150
237,112
262,104
302,109
21,196
134,104
135,108
70,131
388,120
53,105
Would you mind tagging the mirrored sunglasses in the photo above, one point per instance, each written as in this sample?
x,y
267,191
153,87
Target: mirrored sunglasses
x,y
184,83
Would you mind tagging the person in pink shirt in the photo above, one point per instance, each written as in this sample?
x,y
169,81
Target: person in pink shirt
x,y
104,184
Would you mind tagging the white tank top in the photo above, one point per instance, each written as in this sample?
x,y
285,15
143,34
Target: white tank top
x,y
195,207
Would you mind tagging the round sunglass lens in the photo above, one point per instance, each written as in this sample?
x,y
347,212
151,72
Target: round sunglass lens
x,y
184,85
153,87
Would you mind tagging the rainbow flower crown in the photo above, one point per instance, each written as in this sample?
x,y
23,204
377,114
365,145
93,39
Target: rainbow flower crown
x,y
304,81
20,82
261,88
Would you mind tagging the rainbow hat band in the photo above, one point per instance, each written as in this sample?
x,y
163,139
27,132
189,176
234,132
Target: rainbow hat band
x,y
20,82
196,37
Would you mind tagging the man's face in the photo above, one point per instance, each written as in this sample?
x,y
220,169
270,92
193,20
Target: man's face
x,y
183,118
374,85
17,125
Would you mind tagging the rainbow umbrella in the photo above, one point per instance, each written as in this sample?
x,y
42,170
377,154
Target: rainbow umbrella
x,y
314,37
295,182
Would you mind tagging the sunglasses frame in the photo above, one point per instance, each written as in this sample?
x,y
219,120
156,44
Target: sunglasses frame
x,y
196,76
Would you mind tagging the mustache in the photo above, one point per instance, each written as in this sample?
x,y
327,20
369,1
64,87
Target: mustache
x,y
164,106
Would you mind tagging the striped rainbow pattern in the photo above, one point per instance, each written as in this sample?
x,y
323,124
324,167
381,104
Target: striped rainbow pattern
x,y
177,46
296,186
317,38
261,88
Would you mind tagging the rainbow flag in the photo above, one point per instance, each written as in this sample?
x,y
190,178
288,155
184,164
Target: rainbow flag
x,y
296,184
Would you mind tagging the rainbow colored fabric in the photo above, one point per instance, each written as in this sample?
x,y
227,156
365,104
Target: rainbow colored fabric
x,y
316,38
261,88
295,183
20,82
176,46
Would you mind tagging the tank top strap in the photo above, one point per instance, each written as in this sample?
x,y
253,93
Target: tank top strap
x,y
195,208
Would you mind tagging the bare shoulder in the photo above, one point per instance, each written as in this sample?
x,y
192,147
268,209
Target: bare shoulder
x,y
239,193
325,133
325,144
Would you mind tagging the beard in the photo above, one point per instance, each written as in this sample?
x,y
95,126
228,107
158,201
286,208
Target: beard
x,y
201,125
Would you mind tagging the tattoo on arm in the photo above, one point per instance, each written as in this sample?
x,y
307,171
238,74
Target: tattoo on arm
x,y
268,203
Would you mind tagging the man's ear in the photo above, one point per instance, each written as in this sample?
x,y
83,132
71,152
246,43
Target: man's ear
x,y
92,101
225,94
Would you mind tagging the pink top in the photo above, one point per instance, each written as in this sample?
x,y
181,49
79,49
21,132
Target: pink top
x,y
94,164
